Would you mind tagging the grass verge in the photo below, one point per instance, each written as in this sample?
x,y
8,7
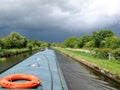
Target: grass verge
x,y
111,65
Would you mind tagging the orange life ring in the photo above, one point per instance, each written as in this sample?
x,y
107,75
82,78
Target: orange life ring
x,y
33,81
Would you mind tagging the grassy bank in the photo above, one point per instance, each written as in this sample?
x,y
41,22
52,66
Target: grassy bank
x,y
11,52
112,66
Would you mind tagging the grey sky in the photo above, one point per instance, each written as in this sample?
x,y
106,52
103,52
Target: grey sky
x,y
71,17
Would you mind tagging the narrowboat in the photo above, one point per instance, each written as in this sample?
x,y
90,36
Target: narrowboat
x,y
40,71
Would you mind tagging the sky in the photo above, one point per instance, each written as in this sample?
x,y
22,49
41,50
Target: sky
x,y
55,20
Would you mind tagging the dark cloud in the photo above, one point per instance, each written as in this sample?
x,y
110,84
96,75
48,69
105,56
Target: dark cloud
x,y
68,17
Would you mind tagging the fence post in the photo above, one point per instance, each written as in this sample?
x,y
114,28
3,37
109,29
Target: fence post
x,y
109,55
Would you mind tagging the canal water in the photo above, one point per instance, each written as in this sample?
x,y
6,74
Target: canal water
x,y
79,77
13,60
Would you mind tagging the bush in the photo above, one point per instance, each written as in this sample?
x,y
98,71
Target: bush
x,y
102,53
116,53
90,44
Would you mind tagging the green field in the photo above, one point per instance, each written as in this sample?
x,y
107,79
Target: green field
x,y
111,65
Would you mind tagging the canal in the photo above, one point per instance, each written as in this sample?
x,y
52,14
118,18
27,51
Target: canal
x,y
13,60
77,76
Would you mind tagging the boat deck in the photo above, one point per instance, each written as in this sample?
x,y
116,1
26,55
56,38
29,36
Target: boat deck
x,y
43,65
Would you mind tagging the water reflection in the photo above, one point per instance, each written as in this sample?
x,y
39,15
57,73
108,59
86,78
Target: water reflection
x,y
8,62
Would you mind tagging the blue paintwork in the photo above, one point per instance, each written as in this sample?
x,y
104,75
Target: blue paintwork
x,y
43,65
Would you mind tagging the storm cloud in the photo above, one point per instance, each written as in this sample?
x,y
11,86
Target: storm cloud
x,y
55,15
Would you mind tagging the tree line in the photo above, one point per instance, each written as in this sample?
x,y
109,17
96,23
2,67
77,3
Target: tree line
x,y
16,41
102,42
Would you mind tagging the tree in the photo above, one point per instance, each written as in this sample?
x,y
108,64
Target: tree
x,y
71,42
1,44
36,43
44,45
15,40
56,44
84,39
30,45
100,36
112,42
90,44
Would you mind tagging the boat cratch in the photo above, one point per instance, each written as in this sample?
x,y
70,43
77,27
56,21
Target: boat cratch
x,y
8,81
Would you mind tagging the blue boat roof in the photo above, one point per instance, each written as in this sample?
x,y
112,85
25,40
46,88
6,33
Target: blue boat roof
x,y
44,65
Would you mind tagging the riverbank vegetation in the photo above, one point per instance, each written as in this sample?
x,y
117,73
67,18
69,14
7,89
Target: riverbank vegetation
x,y
15,43
101,48
104,44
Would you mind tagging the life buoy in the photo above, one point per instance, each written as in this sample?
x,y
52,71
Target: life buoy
x,y
7,81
